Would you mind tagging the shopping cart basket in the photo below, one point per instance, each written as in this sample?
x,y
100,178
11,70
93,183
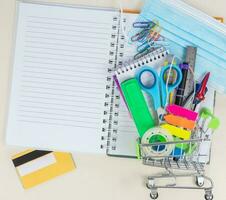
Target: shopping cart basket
x,y
181,158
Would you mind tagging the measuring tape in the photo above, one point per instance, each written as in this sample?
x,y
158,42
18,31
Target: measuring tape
x,y
157,135
190,59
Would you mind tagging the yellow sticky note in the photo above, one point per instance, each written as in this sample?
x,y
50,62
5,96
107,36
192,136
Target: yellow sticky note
x,y
178,132
35,166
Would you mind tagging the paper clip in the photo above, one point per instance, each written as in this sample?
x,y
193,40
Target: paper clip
x,y
144,46
146,25
140,35
143,53
154,34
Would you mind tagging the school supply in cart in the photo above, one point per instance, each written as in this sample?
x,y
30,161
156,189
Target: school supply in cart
x,y
156,85
180,91
137,106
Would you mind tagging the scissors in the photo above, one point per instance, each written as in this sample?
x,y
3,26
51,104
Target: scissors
x,y
156,85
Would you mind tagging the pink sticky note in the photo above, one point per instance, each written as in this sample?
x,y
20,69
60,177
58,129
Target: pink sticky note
x,y
182,112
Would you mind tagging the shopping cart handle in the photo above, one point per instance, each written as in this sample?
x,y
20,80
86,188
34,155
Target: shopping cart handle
x,y
214,123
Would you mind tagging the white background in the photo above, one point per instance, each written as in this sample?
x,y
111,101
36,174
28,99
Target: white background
x,y
100,177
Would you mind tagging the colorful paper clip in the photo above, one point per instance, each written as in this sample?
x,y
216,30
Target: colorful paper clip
x,y
146,25
140,36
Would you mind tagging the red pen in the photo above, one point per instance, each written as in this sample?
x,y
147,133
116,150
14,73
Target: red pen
x,y
200,95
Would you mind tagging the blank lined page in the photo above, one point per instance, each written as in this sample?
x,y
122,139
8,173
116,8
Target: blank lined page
x,y
59,77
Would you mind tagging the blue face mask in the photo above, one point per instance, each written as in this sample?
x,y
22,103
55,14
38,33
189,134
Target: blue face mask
x,y
184,26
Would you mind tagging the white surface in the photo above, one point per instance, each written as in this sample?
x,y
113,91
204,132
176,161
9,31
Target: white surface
x,y
36,164
99,177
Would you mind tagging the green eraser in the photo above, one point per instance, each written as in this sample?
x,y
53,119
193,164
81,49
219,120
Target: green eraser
x,y
137,106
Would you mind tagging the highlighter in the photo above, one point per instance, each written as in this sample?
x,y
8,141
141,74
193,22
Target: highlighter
x,y
137,106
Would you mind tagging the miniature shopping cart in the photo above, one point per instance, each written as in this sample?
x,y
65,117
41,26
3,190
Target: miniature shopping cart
x,y
180,158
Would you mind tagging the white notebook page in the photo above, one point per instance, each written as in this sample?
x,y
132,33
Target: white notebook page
x,y
59,77
126,136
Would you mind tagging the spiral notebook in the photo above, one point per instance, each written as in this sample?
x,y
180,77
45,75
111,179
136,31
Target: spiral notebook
x,y
63,96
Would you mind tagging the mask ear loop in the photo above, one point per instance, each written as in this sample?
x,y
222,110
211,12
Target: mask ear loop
x,y
167,81
168,77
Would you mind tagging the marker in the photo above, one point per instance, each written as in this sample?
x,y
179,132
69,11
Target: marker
x,y
137,106
201,92
180,91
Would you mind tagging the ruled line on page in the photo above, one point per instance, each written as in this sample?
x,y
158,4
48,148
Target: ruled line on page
x,y
24,97
61,59
67,25
61,19
67,50
96,71
63,74
100,66
67,35
32,107
57,94
61,84
86,126
63,44
84,41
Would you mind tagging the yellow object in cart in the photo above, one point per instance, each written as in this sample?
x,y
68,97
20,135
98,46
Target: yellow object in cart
x,y
178,132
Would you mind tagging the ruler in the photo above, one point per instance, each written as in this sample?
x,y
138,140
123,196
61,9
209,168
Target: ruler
x,y
190,59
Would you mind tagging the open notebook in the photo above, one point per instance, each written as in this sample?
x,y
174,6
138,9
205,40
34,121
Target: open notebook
x,y
62,92
61,88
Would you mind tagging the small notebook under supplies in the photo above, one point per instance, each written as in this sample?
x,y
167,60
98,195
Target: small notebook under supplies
x,y
63,96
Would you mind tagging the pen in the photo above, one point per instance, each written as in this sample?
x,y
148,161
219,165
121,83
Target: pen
x,y
200,94
180,91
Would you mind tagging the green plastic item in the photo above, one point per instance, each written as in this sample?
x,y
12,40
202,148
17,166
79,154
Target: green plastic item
x,y
214,123
138,153
137,106
181,145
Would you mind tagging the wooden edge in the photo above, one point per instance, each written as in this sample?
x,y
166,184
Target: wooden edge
x,y
132,11
220,19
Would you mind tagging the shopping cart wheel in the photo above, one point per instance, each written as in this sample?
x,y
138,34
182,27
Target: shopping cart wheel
x,y
199,181
154,195
209,196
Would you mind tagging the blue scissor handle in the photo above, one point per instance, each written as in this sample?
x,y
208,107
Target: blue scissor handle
x,y
152,90
165,90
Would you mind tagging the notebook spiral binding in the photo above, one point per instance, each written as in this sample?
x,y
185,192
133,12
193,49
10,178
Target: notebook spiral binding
x,y
147,59
109,94
116,97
